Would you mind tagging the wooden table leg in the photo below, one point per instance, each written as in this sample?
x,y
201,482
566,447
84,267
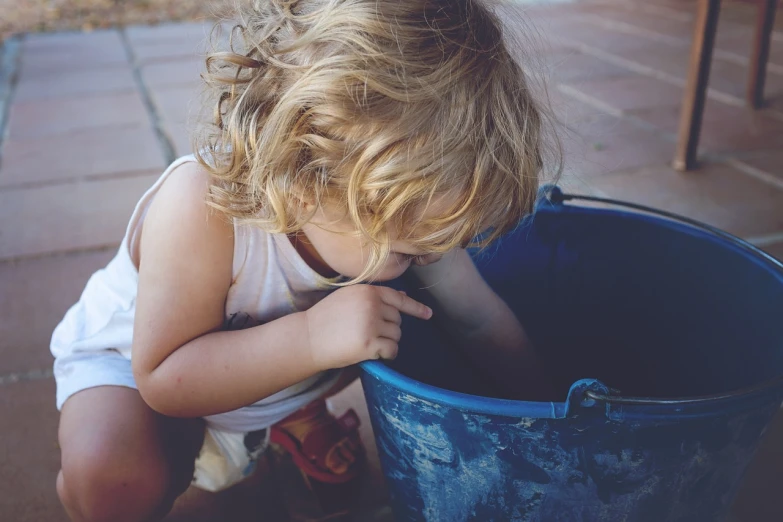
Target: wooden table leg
x,y
757,74
696,88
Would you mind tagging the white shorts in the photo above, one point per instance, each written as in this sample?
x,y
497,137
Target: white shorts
x,y
226,456
79,371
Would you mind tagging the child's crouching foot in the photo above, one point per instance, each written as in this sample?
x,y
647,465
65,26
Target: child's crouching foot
x,y
328,454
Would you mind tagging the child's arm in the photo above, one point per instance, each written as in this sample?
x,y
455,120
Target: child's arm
x,y
483,325
184,366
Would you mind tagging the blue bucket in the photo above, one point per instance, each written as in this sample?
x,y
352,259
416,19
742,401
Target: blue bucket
x,y
667,336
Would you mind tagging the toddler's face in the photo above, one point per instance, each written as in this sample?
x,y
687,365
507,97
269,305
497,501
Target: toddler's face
x,y
332,246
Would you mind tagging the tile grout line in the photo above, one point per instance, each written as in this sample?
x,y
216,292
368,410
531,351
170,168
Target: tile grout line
x,y
739,165
30,375
163,139
765,241
10,58
651,72
607,109
674,41
758,174
677,15
589,100
657,10
87,178
65,252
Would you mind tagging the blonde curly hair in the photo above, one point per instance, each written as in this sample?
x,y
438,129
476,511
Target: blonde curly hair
x,y
381,107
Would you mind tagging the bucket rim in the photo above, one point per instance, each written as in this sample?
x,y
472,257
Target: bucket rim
x,y
478,404
554,198
463,401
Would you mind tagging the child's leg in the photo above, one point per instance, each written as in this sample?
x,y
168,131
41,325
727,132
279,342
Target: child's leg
x,y
121,461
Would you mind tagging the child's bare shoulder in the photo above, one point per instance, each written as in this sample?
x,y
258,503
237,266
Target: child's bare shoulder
x,y
188,181
180,215
184,195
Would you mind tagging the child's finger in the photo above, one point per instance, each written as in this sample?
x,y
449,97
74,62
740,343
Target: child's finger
x,y
405,304
391,314
391,331
385,348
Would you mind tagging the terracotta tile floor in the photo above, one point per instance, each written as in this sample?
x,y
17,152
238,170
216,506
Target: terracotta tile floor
x,y
615,71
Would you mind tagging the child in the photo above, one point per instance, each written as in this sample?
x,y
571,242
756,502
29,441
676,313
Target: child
x,y
354,140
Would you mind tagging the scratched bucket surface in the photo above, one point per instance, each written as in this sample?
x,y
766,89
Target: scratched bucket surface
x,y
666,339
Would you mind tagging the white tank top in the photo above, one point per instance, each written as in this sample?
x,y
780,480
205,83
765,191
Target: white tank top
x,y
270,280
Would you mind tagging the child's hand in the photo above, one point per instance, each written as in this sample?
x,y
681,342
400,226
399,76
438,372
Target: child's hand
x,y
358,323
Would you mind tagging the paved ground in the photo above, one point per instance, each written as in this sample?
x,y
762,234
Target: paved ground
x,y
90,120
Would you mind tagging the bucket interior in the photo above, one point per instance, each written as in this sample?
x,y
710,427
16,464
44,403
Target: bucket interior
x,y
648,306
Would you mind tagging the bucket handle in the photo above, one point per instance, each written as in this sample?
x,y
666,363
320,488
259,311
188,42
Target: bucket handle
x,y
556,196
675,401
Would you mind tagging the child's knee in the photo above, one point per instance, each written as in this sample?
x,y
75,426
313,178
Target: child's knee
x,y
98,489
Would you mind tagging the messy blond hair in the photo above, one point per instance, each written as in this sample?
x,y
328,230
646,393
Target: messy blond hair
x,y
381,106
